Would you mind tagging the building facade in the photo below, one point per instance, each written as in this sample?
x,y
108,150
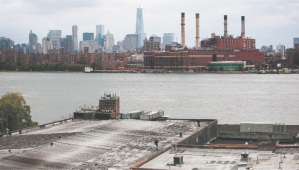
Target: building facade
x,y
75,37
88,36
141,36
168,38
295,41
198,59
109,42
6,42
67,45
130,42
56,36
100,31
46,44
152,45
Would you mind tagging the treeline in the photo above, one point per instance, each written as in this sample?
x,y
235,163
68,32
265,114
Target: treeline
x,y
55,66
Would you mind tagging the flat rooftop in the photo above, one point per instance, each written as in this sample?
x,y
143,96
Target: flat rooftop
x,y
84,144
197,158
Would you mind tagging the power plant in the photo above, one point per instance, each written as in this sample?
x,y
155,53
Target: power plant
x,y
217,49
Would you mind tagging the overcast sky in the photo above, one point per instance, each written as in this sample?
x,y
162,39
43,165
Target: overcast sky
x,y
270,22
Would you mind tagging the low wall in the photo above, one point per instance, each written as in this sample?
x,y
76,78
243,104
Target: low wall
x,y
203,135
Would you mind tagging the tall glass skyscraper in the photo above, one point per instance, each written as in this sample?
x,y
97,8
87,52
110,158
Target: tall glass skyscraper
x,y
100,32
75,37
139,28
56,36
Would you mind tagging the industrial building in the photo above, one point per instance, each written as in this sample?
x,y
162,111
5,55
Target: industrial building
x,y
108,108
215,49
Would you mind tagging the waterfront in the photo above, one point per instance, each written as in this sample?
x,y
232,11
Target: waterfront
x,y
230,98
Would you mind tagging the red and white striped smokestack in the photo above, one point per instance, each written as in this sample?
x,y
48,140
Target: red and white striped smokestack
x,y
243,26
225,26
197,30
183,29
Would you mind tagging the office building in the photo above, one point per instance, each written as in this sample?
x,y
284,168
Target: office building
x,y
69,37
7,42
56,36
75,38
67,45
168,38
88,36
130,42
32,42
100,31
139,28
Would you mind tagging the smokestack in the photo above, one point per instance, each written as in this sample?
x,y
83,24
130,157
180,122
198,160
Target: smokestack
x,y
183,29
243,26
225,26
197,30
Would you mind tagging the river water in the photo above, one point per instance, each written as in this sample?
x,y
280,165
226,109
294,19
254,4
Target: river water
x,y
230,98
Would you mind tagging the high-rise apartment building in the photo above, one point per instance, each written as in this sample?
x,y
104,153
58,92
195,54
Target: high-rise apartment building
x,y
88,36
168,38
75,37
139,28
56,36
296,41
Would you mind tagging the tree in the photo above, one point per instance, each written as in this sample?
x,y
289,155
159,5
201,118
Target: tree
x,y
14,112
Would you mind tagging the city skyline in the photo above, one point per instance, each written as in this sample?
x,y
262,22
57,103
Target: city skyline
x,y
271,23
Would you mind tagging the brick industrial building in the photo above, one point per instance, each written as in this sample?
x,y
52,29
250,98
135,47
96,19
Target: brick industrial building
x,y
216,48
107,60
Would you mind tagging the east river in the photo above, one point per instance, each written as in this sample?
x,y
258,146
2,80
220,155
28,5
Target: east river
x,y
230,98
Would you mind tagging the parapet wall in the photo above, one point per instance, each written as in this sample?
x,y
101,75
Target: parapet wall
x,y
203,135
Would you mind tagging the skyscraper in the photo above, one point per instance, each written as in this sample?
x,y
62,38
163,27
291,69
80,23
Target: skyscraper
x,y
56,35
100,29
139,28
75,37
109,42
88,36
32,41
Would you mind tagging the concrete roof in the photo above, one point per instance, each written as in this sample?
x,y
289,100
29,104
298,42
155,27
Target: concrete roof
x,y
197,158
91,144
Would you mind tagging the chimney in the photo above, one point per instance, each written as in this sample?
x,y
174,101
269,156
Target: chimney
x,y
183,29
242,26
225,26
197,30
